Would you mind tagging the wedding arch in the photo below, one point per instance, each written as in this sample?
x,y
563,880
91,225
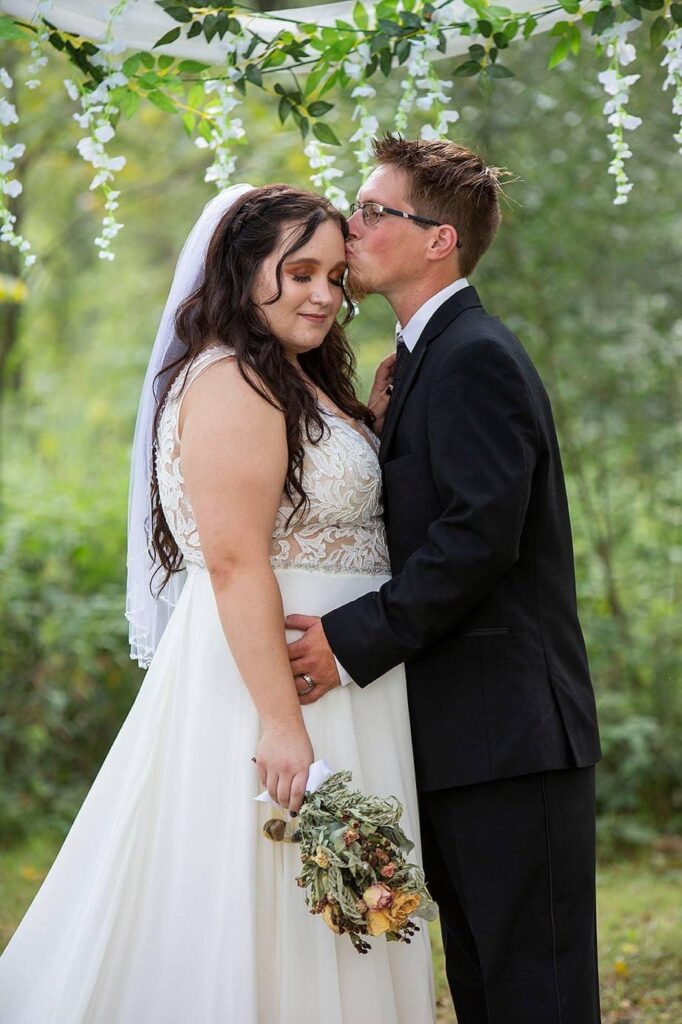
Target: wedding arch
x,y
198,60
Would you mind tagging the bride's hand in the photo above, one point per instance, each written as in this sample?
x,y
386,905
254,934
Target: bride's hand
x,y
380,394
283,757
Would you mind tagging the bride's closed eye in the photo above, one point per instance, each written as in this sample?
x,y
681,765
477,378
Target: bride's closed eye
x,y
303,278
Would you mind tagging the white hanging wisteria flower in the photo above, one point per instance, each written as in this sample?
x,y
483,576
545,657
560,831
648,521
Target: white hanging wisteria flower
x,y
98,115
355,67
38,57
10,188
672,62
424,90
617,87
324,172
226,129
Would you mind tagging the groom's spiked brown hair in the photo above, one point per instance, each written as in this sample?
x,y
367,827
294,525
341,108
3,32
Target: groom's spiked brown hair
x,y
450,184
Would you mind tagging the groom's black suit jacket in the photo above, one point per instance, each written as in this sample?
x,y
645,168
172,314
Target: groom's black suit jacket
x,y
482,604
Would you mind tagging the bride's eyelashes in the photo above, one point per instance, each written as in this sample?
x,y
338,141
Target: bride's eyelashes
x,y
303,279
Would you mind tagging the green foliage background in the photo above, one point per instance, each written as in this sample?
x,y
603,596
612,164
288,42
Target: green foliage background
x,y
592,290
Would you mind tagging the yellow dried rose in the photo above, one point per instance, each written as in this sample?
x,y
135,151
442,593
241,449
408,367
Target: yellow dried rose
x,y
395,917
321,858
328,919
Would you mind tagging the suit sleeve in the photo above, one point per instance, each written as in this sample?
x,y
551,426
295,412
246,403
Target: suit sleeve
x,y
483,444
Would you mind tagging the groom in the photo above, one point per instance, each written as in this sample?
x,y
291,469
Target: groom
x,y
481,607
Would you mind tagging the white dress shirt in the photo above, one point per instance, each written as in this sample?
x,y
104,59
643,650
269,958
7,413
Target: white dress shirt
x,y
412,330
411,333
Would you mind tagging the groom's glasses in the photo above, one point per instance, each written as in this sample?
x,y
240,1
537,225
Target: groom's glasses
x,y
373,212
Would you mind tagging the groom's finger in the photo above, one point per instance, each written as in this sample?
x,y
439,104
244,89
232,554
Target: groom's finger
x,y
300,621
297,649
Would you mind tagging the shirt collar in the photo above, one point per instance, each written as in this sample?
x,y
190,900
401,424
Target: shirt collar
x,y
412,330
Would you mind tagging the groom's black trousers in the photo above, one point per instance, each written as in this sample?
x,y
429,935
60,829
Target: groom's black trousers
x,y
511,864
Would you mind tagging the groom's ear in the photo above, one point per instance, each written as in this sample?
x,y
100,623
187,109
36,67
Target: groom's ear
x,y
443,243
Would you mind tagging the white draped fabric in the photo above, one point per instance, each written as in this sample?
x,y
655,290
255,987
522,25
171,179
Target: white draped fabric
x,y
143,22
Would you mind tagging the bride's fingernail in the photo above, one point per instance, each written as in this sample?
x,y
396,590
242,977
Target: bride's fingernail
x,y
254,760
294,814
389,389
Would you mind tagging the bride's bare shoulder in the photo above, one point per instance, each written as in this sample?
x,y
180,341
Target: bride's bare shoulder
x,y
221,391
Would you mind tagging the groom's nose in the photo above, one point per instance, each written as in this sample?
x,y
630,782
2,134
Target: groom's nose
x,y
354,222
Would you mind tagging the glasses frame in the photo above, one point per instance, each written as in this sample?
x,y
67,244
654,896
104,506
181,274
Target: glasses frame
x,y
354,207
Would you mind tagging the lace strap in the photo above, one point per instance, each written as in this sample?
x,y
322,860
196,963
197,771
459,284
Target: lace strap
x,y
186,377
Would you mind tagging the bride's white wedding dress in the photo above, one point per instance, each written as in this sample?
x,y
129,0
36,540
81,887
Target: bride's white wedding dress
x,y
166,905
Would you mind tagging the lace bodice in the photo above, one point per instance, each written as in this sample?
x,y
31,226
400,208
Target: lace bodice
x,y
341,530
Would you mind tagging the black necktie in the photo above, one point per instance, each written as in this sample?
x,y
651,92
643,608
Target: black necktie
x,y
401,359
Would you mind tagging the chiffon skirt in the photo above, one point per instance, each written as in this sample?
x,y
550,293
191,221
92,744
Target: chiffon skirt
x,y
166,905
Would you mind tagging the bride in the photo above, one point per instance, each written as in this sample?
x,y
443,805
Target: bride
x,y
166,905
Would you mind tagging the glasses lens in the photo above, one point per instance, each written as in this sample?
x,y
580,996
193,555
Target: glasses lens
x,y
371,214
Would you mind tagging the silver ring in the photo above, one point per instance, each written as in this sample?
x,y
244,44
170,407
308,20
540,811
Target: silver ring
x,y
311,684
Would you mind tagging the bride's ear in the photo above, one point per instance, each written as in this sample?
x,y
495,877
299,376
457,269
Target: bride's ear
x,y
443,243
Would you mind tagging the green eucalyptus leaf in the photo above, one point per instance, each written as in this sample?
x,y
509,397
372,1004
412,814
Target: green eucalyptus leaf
x,y
253,73
192,67
195,29
204,130
559,53
604,18
196,95
150,79
402,50
130,66
529,26
652,5
325,134
632,8
128,103
284,108
147,60
467,69
498,71
319,108
163,102
10,30
169,37
360,16
658,32
314,79
676,13
210,26
179,13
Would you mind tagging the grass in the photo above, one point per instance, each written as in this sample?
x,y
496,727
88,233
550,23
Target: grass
x,y
640,937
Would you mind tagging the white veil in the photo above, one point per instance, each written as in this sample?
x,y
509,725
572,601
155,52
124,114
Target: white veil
x,y
148,615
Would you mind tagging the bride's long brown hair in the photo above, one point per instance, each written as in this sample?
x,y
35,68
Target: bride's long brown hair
x,y
221,311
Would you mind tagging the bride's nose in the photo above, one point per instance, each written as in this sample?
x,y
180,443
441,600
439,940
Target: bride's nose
x,y
321,295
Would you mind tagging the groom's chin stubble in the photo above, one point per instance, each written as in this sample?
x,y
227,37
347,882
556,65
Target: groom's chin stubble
x,y
357,288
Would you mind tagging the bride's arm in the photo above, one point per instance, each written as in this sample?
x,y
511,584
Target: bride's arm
x,y
234,462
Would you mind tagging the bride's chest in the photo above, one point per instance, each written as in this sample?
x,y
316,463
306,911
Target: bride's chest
x,y
341,474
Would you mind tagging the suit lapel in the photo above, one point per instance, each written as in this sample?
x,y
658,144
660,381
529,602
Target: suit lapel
x,y
442,318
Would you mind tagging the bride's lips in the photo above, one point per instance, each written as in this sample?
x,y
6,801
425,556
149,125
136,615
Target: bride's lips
x,y
314,318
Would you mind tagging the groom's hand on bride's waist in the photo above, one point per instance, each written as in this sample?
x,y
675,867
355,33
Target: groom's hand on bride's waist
x,y
311,657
